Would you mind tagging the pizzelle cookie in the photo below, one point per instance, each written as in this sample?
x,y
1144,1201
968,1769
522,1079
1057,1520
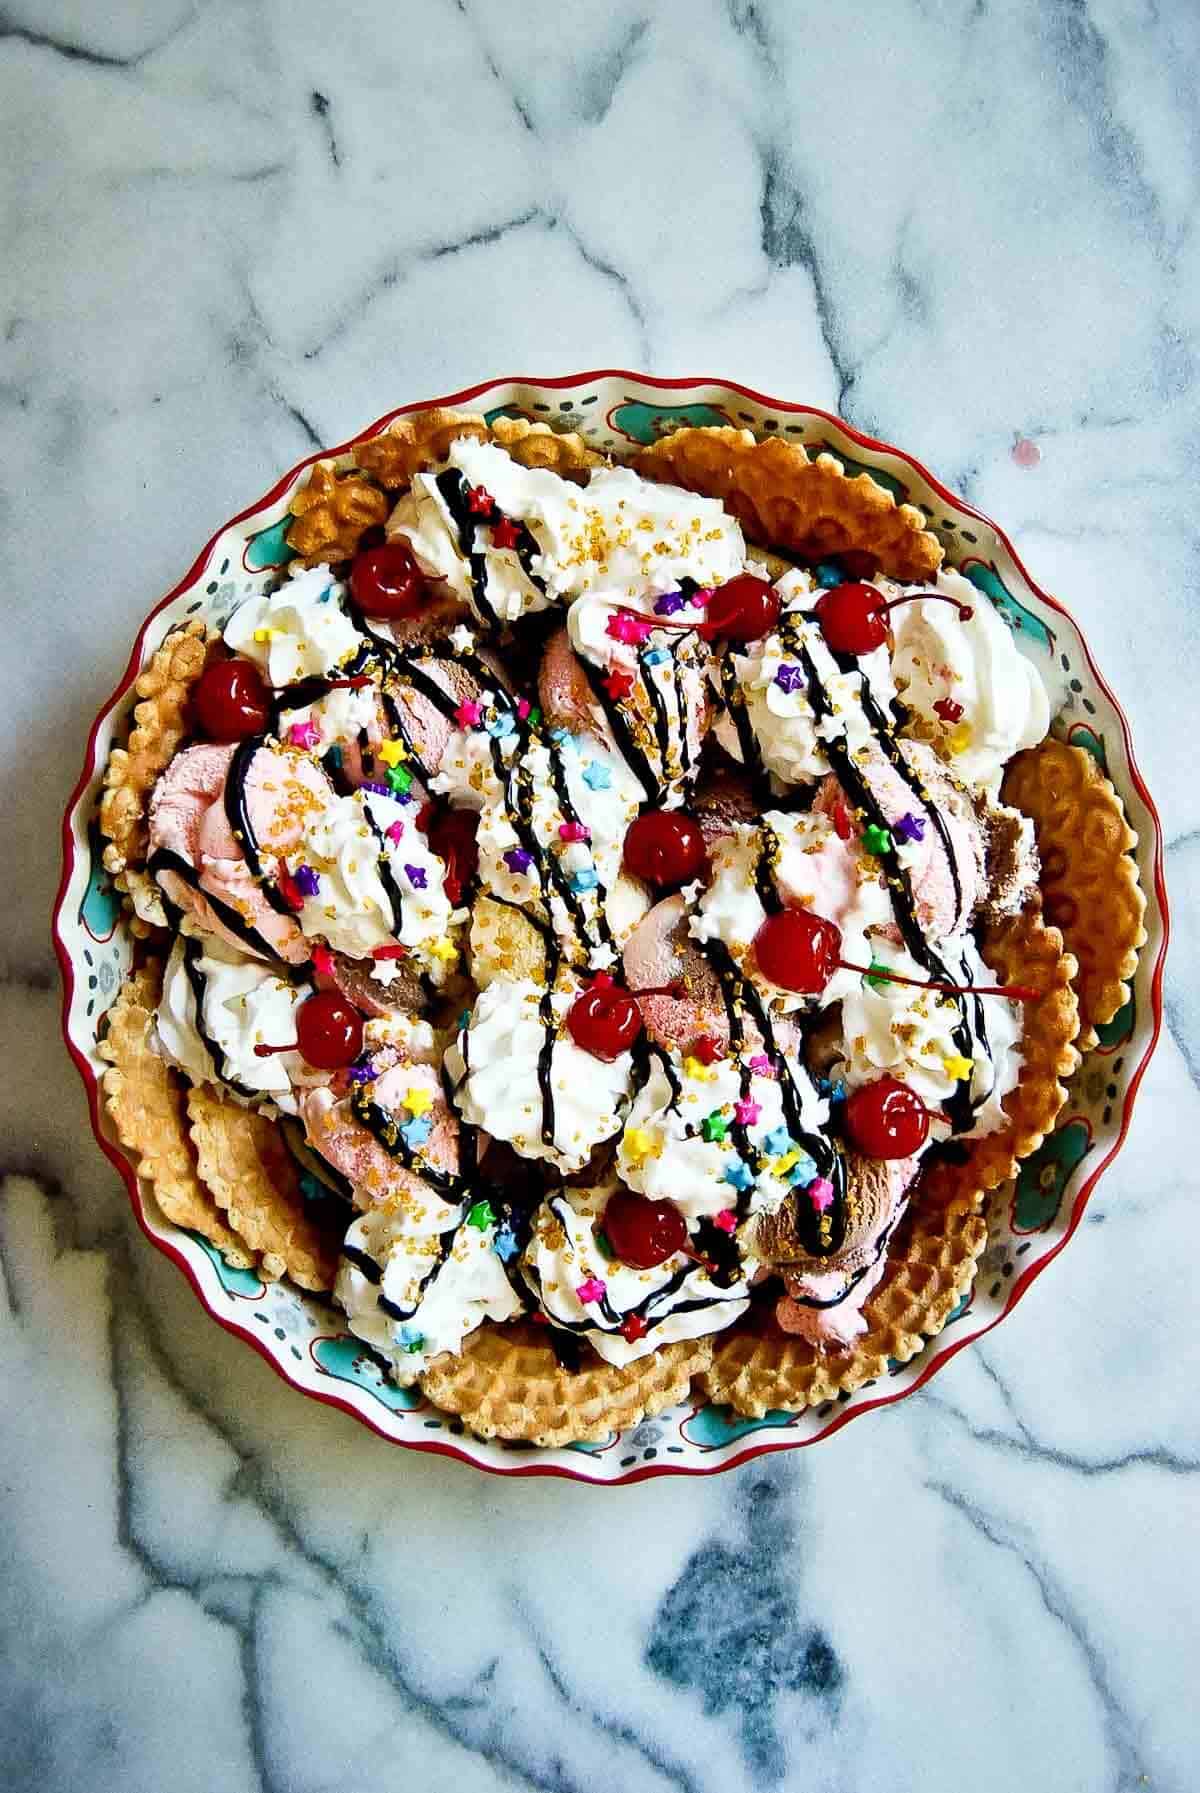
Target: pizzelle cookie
x,y
661,1005
147,1109
807,508
1090,886
507,1383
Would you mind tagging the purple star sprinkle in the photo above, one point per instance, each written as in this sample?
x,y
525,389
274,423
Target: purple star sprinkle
x,y
362,1072
380,790
669,603
909,827
789,677
518,860
415,876
307,881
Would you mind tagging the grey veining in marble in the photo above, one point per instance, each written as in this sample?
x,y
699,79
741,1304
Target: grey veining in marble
x,y
232,230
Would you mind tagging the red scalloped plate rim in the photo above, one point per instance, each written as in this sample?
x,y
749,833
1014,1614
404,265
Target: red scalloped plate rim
x,y
764,1447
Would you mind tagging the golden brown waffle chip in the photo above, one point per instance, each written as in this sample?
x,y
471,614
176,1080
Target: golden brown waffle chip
x,y
537,445
803,507
507,1383
758,1369
332,511
1089,879
1022,950
244,1162
163,687
147,1110
413,443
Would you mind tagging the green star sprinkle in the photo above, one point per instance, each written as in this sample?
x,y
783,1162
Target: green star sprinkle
x,y
714,1127
482,1215
400,778
603,1244
877,840
877,976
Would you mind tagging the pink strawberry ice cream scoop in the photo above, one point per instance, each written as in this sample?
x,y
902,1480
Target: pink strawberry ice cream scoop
x,y
661,951
188,819
344,1141
825,1296
946,885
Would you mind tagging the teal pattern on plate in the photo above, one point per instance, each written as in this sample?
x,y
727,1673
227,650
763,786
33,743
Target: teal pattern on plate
x,y
1043,1177
346,1360
984,577
235,1282
640,422
852,469
101,903
267,548
712,1427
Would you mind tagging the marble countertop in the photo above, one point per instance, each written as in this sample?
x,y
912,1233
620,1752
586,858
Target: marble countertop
x,y
233,231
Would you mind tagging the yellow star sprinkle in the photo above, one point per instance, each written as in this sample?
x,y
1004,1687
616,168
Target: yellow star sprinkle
x,y
959,739
637,1143
417,1101
443,949
958,1067
392,752
781,1166
266,634
692,1067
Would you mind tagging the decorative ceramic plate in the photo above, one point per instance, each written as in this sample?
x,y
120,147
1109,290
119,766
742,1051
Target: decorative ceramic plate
x,y
1029,1222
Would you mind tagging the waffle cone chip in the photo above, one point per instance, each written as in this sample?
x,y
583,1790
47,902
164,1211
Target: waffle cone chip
x,y
413,443
507,1383
147,1110
332,511
1090,885
163,688
794,505
537,445
758,1369
244,1163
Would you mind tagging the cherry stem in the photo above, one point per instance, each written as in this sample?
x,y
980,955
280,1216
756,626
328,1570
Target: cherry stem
x,y
1016,992
698,1257
965,612
266,1051
675,990
359,682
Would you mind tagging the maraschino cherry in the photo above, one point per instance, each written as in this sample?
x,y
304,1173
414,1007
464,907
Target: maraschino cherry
x,y
606,1020
801,951
231,701
641,1232
387,583
853,616
886,1119
452,836
743,609
329,1032
665,846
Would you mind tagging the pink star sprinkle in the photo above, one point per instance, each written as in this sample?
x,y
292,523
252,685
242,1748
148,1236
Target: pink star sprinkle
x,y
322,961
469,715
522,707
820,1194
592,1289
761,1065
702,595
395,830
725,1220
574,831
304,734
624,627
746,1113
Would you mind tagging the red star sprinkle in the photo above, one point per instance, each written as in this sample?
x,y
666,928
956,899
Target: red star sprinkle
x,y
619,683
841,819
505,533
288,889
947,709
480,501
422,816
633,1327
707,1050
